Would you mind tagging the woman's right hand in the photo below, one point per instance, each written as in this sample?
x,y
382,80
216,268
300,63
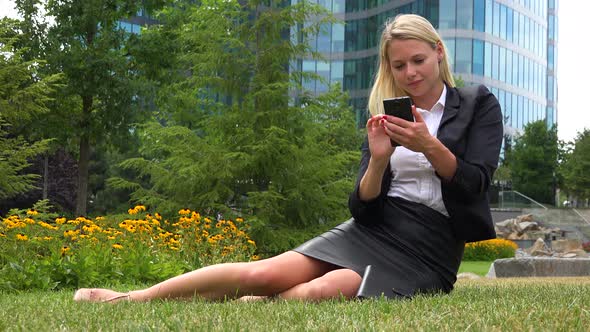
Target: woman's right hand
x,y
379,141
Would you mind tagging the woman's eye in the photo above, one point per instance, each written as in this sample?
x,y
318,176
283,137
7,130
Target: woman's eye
x,y
419,60
398,67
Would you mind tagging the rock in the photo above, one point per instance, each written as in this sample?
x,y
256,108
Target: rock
x,y
570,255
528,226
539,248
566,245
540,267
468,275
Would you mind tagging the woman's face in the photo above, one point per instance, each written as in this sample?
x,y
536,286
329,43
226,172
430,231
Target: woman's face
x,y
415,67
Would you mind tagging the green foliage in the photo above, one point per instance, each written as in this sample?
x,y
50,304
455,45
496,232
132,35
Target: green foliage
x,y
39,251
533,161
575,168
489,250
23,98
229,134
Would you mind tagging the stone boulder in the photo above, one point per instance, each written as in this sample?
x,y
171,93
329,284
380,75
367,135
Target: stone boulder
x,y
539,267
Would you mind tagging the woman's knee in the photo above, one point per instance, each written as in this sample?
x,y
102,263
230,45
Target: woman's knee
x,y
342,282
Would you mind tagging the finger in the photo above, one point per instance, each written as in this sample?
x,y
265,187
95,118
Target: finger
x,y
417,116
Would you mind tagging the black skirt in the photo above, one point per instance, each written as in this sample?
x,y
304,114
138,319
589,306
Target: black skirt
x,y
413,249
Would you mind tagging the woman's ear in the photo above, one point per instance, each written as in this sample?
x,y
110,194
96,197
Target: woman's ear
x,y
440,51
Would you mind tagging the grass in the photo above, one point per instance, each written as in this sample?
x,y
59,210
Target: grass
x,y
555,304
478,267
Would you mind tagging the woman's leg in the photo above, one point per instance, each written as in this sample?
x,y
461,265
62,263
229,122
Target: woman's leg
x,y
266,277
336,283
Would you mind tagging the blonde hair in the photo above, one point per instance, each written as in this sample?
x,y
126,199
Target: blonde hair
x,y
407,26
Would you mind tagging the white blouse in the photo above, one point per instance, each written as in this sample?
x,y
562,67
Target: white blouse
x,y
413,176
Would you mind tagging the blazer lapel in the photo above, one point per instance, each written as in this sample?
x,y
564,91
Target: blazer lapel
x,y
451,106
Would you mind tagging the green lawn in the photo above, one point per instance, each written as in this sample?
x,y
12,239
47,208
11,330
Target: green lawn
x,y
478,267
544,304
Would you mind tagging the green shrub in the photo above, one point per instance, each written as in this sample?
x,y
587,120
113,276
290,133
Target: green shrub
x,y
489,250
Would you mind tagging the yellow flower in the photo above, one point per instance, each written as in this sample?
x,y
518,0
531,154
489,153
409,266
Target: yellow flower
x,y
117,246
184,212
2,235
60,221
139,208
158,216
64,250
252,242
46,225
239,220
32,212
29,221
255,257
21,237
99,218
132,211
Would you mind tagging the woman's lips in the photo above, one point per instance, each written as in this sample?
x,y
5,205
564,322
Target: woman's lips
x,y
414,84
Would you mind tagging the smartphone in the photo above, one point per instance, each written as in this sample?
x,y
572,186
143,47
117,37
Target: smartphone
x,y
400,107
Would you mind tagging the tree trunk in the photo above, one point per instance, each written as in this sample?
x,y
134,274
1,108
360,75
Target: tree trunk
x,y
45,175
84,159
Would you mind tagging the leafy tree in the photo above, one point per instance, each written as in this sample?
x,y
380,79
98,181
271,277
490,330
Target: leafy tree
x,y
99,100
230,135
576,167
533,162
23,98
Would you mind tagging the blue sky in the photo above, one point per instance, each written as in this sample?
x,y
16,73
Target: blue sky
x,y
573,67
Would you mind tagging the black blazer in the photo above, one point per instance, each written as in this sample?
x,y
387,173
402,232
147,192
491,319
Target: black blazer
x,y
472,129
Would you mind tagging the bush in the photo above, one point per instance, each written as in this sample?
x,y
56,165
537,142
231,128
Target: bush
x,y
489,250
39,253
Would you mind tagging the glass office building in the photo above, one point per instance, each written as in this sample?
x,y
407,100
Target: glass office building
x,y
507,45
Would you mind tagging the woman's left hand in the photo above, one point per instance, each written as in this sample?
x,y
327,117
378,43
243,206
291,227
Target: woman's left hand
x,y
412,135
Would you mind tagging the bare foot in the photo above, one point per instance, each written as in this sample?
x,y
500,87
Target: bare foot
x,y
100,295
252,298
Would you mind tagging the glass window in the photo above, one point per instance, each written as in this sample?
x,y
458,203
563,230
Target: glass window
x,y
496,17
337,72
479,17
338,37
502,100
478,57
450,44
515,69
447,14
527,63
338,6
527,33
551,26
324,44
514,110
463,55
520,113
550,91
550,59
495,62
502,21
488,60
465,14
502,68
509,24
308,66
508,110
521,30
521,71
509,67
489,16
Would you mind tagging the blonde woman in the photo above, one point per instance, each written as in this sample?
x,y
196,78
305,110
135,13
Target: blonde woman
x,y
414,206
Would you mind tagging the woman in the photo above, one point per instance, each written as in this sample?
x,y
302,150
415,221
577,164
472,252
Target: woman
x,y
413,208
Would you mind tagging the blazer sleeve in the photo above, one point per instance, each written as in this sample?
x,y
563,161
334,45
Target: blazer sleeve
x,y
476,166
367,211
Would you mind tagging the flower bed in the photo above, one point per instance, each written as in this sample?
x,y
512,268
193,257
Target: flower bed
x,y
39,252
489,250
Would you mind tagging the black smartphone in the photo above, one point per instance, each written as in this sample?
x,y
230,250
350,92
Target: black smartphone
x,y
400,107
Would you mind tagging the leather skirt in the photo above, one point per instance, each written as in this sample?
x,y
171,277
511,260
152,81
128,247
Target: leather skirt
x,y
412,249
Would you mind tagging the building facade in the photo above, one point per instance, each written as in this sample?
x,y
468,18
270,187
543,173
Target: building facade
x,y
507,45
